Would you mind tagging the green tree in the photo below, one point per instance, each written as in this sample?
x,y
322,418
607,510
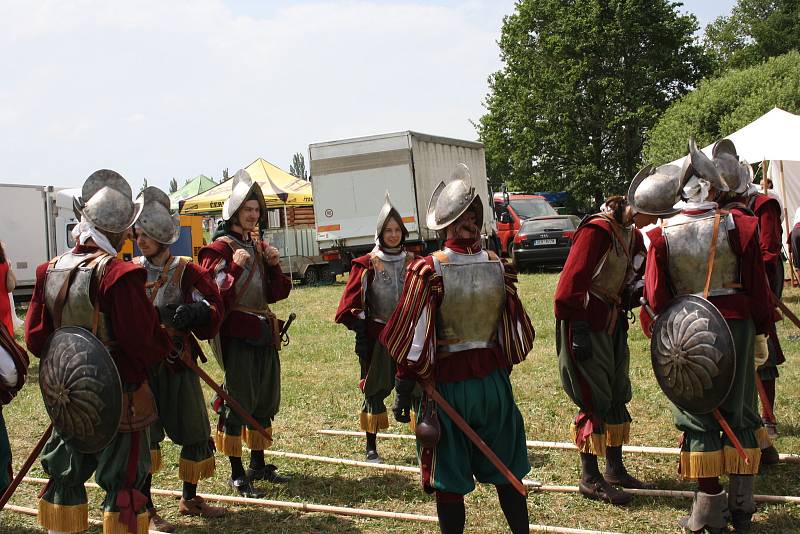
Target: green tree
x,y
721,106
582,82
173,185
298,166
754,31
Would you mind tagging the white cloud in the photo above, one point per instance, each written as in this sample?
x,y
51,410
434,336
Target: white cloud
x,y
159,89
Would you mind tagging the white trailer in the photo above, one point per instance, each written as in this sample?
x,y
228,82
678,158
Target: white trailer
x,y
35,225
350,178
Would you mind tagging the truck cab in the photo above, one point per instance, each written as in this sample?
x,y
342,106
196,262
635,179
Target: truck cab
x,y
511,209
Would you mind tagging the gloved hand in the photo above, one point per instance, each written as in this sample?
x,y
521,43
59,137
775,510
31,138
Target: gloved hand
x,y
362,341
761,350
166,314
402,401
581,340
188,316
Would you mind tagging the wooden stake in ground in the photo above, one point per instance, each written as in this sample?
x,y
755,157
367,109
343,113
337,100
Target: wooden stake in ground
x,y
336,510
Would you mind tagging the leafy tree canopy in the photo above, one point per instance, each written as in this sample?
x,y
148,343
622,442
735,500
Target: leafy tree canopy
x,y
582,82
721,106
754,31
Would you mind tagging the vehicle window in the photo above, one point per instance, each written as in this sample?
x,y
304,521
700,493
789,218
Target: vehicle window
x,y
528,208
544,225
70,239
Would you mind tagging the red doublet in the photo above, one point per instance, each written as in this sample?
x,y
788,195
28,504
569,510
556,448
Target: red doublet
x,y
572,300
754,302
352,304
239,324
423,288
140,340
768,211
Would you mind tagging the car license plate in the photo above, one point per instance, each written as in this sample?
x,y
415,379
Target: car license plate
x,y
538,242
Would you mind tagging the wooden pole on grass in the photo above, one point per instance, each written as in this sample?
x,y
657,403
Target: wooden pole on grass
x,y
32,512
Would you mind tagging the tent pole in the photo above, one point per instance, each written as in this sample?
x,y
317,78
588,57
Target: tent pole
x,y
286,239
792,273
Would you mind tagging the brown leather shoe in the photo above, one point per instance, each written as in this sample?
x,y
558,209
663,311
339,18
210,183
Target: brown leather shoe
x,y
198,507
601,490
158,523
627,481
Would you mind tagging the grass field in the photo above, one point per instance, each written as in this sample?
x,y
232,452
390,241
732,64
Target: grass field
x,y
320,390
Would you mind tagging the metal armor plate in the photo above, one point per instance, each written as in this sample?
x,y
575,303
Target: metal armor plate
x,y
81,389
253,296
474,296
78,306
614,270
688,240
387,284
170,292
693,354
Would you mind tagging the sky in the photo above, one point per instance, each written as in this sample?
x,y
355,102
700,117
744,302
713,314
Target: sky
x,y
158,89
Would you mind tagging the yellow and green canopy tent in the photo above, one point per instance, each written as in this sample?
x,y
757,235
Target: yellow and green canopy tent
x,y
280,189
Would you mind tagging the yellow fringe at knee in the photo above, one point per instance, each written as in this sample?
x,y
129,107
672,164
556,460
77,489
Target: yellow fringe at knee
x,y
373,422
763,438
618,434
193,472
412,425
734,465
155,461
63,518
596,444
694,465
255,440
228,445
111,524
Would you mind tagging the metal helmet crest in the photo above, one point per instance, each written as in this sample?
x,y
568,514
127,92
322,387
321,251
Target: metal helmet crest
x,y
155,218
243,188
106,201
654,191
388,211
450,200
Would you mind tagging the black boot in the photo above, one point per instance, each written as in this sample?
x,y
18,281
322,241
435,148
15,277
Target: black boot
x,y
740,501
594,486
617,474
240,482
452,517
515,508
372,449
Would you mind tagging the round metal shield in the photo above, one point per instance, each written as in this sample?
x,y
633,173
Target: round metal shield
x,y
81,388
693,354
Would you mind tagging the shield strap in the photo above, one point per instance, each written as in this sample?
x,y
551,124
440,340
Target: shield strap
x,y
162,278
712,253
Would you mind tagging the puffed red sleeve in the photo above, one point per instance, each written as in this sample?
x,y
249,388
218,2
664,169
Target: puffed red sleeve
x,y
38,325
137,330
754,276
197,278
279,285
351,305
217,259
770,233
657,292
589,244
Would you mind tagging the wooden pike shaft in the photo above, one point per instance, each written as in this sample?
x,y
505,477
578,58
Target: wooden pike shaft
x,y
26,467
762,394
731,436
337,510
561,445
786,311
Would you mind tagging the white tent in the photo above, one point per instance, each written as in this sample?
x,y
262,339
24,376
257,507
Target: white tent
x,y
773,137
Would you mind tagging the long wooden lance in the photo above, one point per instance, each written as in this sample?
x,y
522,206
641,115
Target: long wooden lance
x,y
26,467
786,311
233,403
474,438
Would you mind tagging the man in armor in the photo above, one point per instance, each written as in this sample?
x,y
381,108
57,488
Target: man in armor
x,y
13,372
460,327
596,289
188,302
715,254
249,276
369,298
90,287
746,199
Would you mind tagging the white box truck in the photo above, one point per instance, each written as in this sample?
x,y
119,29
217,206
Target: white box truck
x,y
350,178
35,225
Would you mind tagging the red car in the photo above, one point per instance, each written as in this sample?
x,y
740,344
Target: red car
x,y
511,209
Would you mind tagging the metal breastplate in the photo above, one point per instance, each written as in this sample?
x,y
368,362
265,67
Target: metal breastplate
x,y
474,296
170,292
78,307
387,284
250,297
615,269
688,239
